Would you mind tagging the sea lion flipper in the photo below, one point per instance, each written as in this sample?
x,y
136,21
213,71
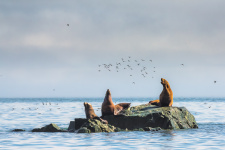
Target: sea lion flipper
x,y
124,105
102,120
121,106
155,102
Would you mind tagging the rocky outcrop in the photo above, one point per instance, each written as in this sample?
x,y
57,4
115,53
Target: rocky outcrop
x,y
141,118
71,127
18,130
49,128
95,125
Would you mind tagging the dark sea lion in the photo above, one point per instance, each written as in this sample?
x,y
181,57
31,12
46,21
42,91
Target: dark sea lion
x,y
108,108
166,96
90,113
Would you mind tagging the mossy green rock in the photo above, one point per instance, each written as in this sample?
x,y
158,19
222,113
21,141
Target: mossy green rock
x,y
94,125
143,116
49,128
84,130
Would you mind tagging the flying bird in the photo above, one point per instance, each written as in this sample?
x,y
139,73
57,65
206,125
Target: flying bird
x,y
214,81
68,25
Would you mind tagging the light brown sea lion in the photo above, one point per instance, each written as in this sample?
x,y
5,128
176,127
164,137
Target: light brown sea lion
x,y
166,96
90,113
108,108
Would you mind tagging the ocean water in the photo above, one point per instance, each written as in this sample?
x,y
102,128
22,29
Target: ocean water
x,y
29,113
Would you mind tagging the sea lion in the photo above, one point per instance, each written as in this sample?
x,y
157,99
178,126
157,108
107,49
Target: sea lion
x,y
166,96
90,113
108,108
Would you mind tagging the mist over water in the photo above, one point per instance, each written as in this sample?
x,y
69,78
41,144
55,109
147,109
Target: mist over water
x,y
29,113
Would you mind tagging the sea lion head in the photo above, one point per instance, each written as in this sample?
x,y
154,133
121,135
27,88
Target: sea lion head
x,y
89,111
164,81
87,105
108,98
107,93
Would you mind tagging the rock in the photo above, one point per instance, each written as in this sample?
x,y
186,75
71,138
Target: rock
x,y
79,122
18,130
153,116
49,128
141,118
152,129
95,125
140,129
71,127
84,130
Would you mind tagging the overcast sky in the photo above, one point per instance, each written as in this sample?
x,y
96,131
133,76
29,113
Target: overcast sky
x,y
41,56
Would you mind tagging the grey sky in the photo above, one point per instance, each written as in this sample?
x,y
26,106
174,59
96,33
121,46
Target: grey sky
x,y
39,52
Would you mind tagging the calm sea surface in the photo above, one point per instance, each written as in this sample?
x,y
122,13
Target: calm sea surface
x,y
29,113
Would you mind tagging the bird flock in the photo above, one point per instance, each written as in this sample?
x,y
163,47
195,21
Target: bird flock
x,y
134,67
54,106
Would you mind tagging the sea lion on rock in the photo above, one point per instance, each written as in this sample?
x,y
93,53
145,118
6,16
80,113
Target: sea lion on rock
x,y
108,108
166,96
90,113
